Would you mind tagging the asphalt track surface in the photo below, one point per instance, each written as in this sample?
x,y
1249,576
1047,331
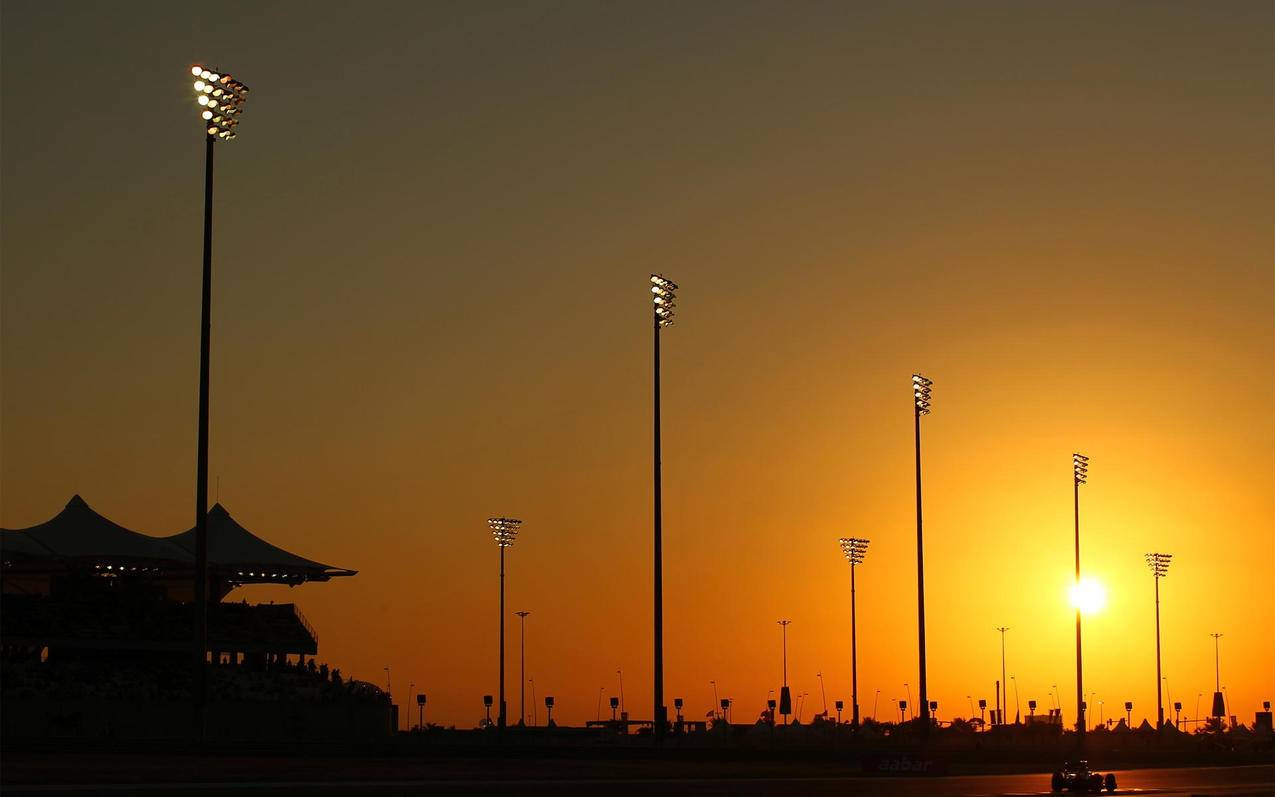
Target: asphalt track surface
x,y
1246,781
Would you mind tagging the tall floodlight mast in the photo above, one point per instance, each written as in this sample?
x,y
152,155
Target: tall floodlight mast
x,y
1159,564
220,99
663,301
921,401
504,530
854,549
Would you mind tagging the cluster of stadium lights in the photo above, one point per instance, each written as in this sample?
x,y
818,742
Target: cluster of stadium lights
x,y
1159,563
1080,468
504,529
921,392
123,569
664,299
854,549
221,100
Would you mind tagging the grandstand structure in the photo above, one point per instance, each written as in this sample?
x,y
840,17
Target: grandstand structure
x,y
81,586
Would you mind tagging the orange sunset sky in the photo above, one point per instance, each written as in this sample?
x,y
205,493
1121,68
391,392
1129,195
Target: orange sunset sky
x,y
430,306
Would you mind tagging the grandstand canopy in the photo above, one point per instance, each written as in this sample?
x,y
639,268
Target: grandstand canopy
x,y
80,535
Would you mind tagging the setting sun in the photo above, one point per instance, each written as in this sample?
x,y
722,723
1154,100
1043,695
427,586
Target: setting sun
x,y
1089,596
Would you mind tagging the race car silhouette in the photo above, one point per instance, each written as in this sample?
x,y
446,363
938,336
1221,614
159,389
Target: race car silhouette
x,y
1077,777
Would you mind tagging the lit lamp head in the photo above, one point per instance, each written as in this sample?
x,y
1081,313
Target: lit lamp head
x,y
854,549
1159,563
220,98
921,388
1080,468
664,298
504,530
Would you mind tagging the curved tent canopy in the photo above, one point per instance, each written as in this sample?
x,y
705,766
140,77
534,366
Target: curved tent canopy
x,y
251,558
77,532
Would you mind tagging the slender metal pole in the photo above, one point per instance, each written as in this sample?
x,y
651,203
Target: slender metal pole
x,y
200,685
854,657
1003,629
522,667
1080,684
500,713
1217,664
1159,680
658,710
920,573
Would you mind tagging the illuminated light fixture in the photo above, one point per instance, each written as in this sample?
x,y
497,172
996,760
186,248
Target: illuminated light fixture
x,y
1080,468
229,96
664,299
1159,563
504,530
854,549
921,392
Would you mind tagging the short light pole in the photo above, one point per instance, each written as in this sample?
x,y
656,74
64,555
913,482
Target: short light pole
x,y
854,549
921,400
839,706
1219,701
549,711
505,531
522,666
411,689
220,98
1004,682
535,712
1159,564
785,696
1128,714
663,299
1080,475
487,707
1018,707
420,709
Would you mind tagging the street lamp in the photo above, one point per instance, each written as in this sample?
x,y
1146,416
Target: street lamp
x,y
1219,700
1080,475
505,531
921,399
1159,564
220,100
663,300
785,696
522,666
854,549
1004,683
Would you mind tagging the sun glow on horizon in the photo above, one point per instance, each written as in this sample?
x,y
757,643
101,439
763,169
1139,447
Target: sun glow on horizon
x,y
1089,596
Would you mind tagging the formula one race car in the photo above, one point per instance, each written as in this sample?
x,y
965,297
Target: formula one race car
x,y
1077,777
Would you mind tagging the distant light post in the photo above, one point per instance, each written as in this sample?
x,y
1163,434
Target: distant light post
x,y
505,531
854,549
1219,701
785,696
1128,714
549,711
620,674
220,98
1004,682
874,705
407,718
1080,475
839,705
921,395
420,708
823,692
1159,564
663,301
487,706
615,704
908,689
1018,707
522,666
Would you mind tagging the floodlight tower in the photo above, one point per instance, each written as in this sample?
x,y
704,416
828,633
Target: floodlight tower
x,y
1159,564
854,549
921,399
1080,475
504,530
663,301
220,98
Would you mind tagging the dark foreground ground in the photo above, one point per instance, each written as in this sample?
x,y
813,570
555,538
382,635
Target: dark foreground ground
x,y
242,774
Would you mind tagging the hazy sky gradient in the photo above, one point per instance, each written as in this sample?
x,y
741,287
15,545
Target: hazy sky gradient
x,y
432,243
